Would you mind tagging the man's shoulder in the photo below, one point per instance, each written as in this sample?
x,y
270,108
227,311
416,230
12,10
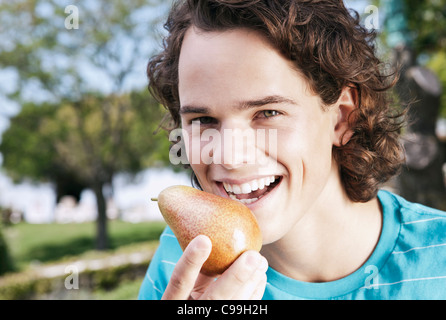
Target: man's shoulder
x,y
410,212
415,267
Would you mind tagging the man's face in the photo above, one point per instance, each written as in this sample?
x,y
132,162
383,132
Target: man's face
x,y
271,141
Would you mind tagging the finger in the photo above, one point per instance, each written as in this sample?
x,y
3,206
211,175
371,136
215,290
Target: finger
x,y
188,268
202,283
260,289
254,288
236,277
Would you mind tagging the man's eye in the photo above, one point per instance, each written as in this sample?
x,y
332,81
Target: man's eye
x,y
270,113
204,120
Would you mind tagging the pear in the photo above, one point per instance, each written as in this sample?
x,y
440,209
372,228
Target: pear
x,y
229,224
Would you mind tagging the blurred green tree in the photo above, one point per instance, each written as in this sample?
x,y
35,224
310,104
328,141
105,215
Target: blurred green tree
x,y
425,23
49,57
77,70
89,141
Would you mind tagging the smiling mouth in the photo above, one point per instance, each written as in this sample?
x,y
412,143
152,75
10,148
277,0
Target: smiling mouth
x,y
253,190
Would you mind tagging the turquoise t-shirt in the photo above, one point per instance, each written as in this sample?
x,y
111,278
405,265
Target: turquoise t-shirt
x,y
409,261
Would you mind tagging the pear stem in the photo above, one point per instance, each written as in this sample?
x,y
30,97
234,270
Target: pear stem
x,y
154,199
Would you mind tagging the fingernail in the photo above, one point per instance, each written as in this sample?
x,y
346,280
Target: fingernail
x,y
202,243
253,260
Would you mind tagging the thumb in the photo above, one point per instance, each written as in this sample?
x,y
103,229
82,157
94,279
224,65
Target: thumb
x,y
188,268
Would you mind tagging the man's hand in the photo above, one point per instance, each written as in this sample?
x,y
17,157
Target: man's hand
x,y
244,279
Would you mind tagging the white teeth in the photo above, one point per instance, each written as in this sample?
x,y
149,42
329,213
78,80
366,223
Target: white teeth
x,y
254,185
244,201
261,183
248,201
248,187
236,189
227,186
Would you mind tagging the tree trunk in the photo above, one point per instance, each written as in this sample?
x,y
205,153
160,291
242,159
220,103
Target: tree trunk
x,y
101,223
6,264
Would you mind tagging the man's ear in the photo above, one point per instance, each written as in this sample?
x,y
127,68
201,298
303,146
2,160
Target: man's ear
x,y
346,104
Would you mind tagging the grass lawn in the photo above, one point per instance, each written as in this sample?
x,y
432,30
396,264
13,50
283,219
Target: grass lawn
x,y
41,243
54,243
125,291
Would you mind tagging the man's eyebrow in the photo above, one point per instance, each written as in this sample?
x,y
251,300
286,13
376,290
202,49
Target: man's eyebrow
x,y
193,109
256,103
274,99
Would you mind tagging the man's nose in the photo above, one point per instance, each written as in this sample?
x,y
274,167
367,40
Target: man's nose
x,y
238,146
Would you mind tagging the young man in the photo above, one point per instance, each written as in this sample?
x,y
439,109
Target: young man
x,y
305,70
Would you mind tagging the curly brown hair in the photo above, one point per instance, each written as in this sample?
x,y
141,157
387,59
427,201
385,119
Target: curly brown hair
x,y
332,50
